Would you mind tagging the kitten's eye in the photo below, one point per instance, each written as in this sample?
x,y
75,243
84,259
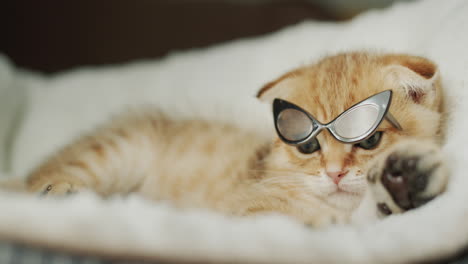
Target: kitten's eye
x,y
371,142
309,147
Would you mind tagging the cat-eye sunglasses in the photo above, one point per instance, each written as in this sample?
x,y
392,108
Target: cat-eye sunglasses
x,y
295,126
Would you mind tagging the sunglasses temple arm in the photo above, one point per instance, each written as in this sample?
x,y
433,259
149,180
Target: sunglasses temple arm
x,y
393,120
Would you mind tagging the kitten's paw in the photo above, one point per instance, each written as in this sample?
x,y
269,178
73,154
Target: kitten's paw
x,y
57,187
410,176
61,188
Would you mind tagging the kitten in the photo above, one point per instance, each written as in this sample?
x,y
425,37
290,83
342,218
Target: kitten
x,y
203,164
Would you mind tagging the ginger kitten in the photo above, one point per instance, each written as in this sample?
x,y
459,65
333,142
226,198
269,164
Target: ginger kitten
x,y
203,164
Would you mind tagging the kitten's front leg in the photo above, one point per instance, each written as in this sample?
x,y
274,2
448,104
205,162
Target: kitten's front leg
x,y
410,175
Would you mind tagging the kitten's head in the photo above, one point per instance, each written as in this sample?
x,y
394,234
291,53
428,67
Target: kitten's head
x,y
334,171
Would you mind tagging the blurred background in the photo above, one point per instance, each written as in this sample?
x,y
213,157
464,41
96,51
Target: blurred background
x,y
56,35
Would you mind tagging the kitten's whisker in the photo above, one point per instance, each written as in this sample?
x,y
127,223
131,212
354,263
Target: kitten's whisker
x,y
354,182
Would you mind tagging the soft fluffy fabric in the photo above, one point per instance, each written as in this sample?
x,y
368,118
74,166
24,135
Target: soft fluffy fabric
x,y
220,82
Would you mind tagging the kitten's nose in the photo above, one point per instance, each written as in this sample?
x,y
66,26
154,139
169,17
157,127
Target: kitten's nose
x,y
336,176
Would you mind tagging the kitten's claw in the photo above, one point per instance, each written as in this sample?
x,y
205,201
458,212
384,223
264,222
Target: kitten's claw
x,y
47,190
410,176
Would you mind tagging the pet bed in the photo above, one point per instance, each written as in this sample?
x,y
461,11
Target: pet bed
x,y
40,113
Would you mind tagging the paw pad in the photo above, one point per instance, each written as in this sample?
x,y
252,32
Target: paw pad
x,y
405,181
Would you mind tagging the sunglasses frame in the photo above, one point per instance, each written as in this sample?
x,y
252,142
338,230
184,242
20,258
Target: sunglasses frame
x,y
380,100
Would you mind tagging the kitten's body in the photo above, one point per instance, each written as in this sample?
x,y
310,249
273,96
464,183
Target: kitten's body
x,y
204,164
191,163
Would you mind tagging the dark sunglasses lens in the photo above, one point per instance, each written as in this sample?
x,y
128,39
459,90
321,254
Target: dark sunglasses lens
x,y
294,125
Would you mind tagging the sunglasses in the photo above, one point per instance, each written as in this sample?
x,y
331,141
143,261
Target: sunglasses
x,y
295,126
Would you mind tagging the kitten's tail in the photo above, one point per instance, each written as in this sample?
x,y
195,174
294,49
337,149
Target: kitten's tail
x,y
13,184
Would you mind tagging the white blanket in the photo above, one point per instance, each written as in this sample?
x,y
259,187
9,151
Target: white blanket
x,y
220,82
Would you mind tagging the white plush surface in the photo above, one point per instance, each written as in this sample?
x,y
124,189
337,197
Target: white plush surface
x,y
220,82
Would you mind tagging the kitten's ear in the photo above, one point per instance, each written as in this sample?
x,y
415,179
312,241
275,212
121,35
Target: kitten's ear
x,y
278,88
418,77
